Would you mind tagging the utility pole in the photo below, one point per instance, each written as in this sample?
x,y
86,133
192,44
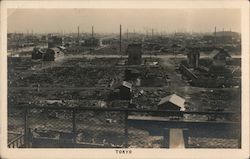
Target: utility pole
x,y
127,34
92,31
120,38
78,35
214,36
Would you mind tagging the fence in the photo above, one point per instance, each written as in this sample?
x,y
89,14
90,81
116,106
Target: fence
x,y
105,127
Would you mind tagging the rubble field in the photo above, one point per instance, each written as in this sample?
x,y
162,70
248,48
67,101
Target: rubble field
x,y
79,81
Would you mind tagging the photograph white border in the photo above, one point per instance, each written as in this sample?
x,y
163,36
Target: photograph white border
x,y
136,153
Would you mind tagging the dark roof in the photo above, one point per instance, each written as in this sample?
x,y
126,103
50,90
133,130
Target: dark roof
x,y
215,52
123,83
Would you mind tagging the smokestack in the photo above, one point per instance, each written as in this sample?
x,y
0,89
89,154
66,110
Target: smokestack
x,y
214,36
120,38
127,33
78,34
92,31
152,32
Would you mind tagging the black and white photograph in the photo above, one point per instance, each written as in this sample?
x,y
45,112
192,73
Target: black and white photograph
x,y
125,78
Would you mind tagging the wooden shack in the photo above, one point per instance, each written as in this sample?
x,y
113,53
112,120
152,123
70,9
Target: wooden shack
x,y
172,102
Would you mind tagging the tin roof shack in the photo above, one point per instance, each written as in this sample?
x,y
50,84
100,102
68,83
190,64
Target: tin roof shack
x,y
37,54
134,52
52,54
121,91
125,90
219,57
172,102
55,41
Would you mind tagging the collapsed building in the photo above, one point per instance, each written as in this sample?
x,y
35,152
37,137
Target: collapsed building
x,y
54,51
213,71
37,53
52,54
219,56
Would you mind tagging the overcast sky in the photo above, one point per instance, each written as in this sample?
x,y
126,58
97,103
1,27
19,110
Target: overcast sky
x,y
108,20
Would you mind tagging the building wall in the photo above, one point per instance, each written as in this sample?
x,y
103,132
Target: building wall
x,y
168,106
134,52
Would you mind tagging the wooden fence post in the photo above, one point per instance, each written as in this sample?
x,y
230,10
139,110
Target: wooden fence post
x,y
74,125
166,138
26,127
126,128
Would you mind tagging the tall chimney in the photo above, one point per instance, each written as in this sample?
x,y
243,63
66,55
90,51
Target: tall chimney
x,y
152,32
92,31
127,34
120,38
214,36
78,34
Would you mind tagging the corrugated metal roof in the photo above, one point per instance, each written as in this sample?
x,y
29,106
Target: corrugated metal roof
x,y
175,99
127,84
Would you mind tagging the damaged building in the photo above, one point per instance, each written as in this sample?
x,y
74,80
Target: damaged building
x,y
193,58
53,54
134,52
37,53
121,91
219,56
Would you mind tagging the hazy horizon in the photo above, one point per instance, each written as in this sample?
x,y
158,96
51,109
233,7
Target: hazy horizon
x,y
108,20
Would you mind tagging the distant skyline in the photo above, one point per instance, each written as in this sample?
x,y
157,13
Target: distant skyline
x,y
108,20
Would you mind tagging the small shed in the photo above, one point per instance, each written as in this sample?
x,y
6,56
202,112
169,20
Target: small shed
x,y
125,90
172,102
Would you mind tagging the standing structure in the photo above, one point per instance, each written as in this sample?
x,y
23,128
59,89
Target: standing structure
x,y
215,37
219,56
193,58
120,38
134,52
92,31
78,35
172,102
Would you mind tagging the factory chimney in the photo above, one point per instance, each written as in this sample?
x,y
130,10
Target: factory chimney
x,y
215,36
120,38
127,34
92,31
78,34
